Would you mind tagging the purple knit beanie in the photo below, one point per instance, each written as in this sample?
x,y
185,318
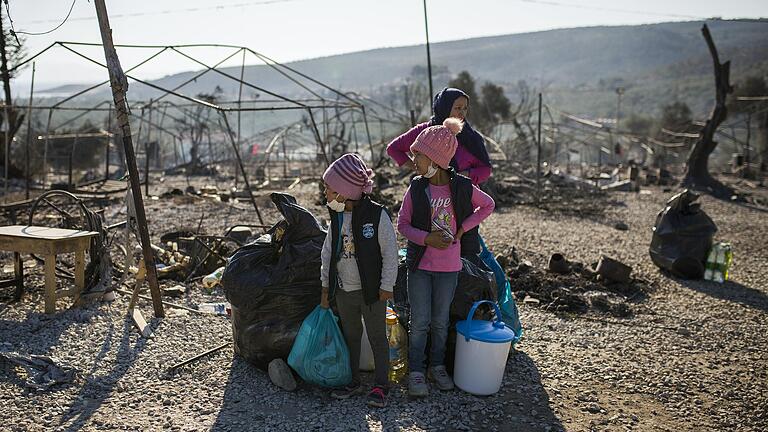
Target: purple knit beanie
x,y
349,176
439,143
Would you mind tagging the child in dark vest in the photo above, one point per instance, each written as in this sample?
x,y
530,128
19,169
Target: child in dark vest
x,y
359,268
439,216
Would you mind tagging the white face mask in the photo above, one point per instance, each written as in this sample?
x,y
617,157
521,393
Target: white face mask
x,y
336,206
431,171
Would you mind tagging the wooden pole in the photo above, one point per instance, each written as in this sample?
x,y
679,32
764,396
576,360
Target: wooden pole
x,y
119,85
29,133
538,156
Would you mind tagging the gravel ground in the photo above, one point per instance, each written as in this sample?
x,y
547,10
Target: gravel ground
x,y
694,356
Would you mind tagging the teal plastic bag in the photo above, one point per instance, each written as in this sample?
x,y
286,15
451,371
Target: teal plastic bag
x,y
509,313
319,354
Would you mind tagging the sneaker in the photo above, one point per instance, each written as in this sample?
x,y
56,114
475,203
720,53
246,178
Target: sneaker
x,y
417,385
378,397
347,391
440,376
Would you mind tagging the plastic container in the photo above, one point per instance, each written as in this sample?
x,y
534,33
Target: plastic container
x,y
718,262
398,348
220,308
213,279
482,348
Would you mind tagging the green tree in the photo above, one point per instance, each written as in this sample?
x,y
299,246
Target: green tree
x,y
464,82
494,106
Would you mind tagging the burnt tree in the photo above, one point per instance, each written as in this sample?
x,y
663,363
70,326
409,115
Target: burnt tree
x,y
697,174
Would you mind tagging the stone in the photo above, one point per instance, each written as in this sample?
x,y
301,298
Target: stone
x,y
280,375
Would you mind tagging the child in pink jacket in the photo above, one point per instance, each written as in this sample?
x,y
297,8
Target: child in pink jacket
x,y
439,216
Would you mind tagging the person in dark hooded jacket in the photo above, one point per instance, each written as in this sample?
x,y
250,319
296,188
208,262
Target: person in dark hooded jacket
x,y
471,158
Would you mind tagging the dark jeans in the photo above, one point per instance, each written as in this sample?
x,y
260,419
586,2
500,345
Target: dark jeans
x,y
351,306
430,295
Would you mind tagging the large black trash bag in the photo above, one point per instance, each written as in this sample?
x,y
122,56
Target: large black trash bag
x,y
682,236
272,286
474,284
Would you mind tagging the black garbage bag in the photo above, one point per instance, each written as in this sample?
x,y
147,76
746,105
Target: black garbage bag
x,y
474,283
682,236
273,285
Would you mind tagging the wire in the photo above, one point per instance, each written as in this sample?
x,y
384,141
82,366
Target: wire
x,y
14,33
173,11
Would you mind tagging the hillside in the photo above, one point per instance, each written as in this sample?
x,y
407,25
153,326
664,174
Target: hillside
x,y
578,68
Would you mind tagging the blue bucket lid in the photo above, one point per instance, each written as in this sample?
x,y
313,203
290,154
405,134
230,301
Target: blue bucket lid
x,y
485,331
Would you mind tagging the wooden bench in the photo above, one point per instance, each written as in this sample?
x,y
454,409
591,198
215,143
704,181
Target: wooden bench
x,y
48,242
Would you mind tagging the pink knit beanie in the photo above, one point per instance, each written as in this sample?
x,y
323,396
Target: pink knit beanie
x,y
349,176
439,143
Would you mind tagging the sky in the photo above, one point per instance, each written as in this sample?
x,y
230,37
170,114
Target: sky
x,y
299,29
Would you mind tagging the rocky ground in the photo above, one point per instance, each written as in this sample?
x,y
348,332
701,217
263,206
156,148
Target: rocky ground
x,y
691,356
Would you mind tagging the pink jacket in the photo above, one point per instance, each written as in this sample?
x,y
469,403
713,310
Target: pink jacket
x,y
399,147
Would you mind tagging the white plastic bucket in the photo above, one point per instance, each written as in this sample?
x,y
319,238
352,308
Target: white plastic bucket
x,y
482,348
366,352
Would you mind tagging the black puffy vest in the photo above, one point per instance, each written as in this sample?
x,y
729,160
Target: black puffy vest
x,y
365,226
461,197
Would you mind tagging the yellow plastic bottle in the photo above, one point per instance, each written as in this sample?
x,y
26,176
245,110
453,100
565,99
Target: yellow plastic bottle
x,y
398,349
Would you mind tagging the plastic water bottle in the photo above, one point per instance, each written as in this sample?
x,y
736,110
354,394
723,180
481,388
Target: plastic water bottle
x,y
718,262
220,308
398,348
213,279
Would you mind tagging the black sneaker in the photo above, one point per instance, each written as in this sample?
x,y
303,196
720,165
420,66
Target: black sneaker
x,y
347,391
378,397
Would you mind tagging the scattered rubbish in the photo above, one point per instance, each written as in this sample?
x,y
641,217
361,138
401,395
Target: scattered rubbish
x,y
718,262
220,308
274,284
42,372
280,375
240,234
682,236
577,291
398,348
482,349
198,357
213,279
319,354
558,264
613,270
175,291
620,186
621,226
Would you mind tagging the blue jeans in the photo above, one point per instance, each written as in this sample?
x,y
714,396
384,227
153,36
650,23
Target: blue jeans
x,y
430,295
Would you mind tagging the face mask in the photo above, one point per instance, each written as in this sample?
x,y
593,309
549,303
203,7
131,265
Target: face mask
x,y
431,171
336,206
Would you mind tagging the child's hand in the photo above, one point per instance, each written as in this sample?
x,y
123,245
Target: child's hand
x,y
385,295
437,240
457,237
324,299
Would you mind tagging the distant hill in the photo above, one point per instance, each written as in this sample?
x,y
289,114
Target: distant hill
x,y
578,68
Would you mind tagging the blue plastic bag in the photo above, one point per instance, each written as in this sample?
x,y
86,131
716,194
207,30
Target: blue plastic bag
x,y
509,313
319,354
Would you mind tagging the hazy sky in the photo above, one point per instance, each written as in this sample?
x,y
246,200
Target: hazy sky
x,y
298,29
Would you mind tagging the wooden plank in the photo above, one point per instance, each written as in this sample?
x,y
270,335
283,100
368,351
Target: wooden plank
x,y
140,323
50,284
43,233
79,273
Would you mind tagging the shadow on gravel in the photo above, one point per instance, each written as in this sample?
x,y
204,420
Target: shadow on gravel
x,y
523,404
100,388
730,291
527,404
